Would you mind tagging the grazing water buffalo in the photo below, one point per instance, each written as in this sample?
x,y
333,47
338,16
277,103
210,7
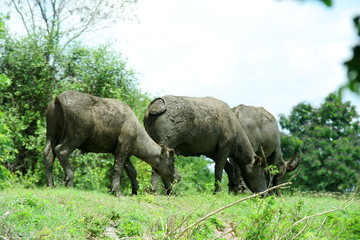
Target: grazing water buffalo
x,y
205,126
262,130
76,120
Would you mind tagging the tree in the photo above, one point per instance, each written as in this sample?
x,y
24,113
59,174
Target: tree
x,y
31,82
66,20
52,25
98,71
6,144
101,72
330,141
43,63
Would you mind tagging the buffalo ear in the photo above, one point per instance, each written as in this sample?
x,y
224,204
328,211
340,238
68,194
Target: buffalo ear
x,y
163,149
172,153
257,159
260,161
157,107
263,158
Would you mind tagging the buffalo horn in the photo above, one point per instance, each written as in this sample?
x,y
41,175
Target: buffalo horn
x,y
263,158
291,165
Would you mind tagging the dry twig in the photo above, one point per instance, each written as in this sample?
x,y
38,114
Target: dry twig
x,y
182,222
297,234
227,206
341,207
318,230
232,230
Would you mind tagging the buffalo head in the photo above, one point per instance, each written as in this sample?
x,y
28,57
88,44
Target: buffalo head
x,y
254,175
166,165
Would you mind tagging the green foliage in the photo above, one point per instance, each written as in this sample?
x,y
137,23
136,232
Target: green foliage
x,y
92,171
260,219
26,63
328,3
6,143
4,82
3,30
330,143
195,173
272,169
33,70
104,73
6,152
38,218
353,64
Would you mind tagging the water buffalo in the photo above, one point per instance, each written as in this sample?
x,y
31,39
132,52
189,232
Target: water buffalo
x,y
262,130
77,120
205,126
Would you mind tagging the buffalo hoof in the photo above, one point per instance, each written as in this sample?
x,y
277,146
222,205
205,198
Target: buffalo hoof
x,y
69,182
114,192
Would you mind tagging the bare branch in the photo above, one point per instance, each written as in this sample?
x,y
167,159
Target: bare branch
x,y
68,19
21,16
182,222
341,207
230,205
293,176
32,16
318,230
232,230
8,228
43,15
85,27
297,234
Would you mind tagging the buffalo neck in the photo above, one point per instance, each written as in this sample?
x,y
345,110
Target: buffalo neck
x,y
244,150
146,148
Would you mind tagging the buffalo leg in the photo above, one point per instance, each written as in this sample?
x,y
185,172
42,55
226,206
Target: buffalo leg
x,y
237,185
131,173
49,162
63,152
220,162
154,181
125,144
233,180
121,156
219,168
118,166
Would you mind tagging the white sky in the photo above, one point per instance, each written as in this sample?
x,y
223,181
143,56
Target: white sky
x,y
266,53
270,53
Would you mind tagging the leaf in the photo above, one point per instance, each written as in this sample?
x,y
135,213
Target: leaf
x,y
327,2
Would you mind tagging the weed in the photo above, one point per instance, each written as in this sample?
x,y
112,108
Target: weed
x,y
260,220
95,226
129,228
218,223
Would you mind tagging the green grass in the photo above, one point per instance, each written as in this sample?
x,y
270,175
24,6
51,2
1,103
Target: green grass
x,y
61,213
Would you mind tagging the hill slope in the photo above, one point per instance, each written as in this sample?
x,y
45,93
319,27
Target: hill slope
x,y
74,214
